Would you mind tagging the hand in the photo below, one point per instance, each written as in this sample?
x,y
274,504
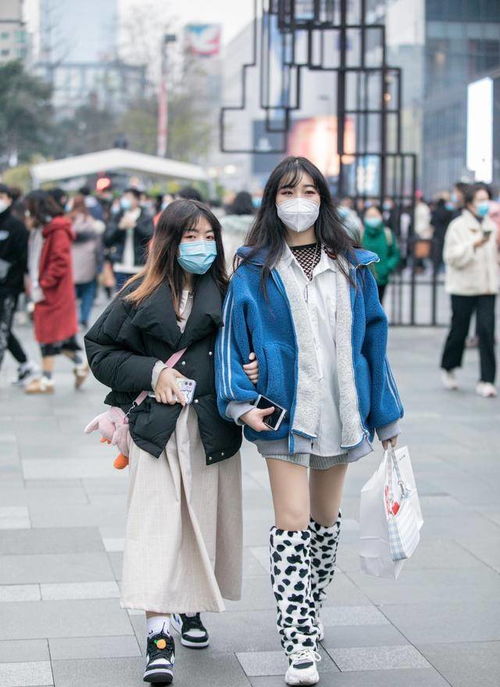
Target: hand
x,y
255,418
252,369
166,390
126,222
390,442
481,242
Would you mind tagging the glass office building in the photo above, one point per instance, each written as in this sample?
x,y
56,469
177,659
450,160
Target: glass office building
x,y
442,46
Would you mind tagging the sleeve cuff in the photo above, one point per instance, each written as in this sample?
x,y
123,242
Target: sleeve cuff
x,y
157,370
236,409
388,431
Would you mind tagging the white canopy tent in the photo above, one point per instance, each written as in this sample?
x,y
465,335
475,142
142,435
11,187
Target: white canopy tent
x,y
113,160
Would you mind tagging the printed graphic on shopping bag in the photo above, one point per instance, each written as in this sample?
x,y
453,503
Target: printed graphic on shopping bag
x,y
389,524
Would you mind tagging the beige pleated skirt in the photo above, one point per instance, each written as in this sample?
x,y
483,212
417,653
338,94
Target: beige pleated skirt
x,y
183,545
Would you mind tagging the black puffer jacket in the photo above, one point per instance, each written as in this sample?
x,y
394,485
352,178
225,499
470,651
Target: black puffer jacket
x,y
126,342
13,253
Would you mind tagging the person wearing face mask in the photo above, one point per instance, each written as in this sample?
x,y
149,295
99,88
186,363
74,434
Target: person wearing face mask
x,y
380,240
306,302
471,259
127,236
183,544
349,219
13,264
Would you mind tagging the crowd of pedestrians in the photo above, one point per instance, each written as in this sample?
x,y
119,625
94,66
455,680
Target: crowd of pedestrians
x,y
269,313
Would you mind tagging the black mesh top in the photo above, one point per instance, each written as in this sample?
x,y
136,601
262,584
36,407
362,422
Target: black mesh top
x,y
307,257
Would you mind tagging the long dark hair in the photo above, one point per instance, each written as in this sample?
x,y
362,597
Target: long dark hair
x,y
42,207
268,231
241,205
162,266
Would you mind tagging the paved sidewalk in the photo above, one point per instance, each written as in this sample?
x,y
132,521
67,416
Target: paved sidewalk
x,y
62,514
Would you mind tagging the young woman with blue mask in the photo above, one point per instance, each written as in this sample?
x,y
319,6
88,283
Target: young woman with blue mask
x,y
183,541
305,301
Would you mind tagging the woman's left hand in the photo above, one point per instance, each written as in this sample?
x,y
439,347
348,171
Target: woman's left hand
x,y
390,442
252,369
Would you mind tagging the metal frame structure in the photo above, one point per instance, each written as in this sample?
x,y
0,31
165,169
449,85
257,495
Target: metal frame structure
x,y
334,36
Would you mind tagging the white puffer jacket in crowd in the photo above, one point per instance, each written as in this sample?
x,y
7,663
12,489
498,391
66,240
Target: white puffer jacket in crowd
x,y
470,271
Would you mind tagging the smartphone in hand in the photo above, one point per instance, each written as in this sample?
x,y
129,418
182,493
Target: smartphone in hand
x,y
274,420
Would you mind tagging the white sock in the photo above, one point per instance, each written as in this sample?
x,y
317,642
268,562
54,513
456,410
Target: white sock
x,y
190,615
158,623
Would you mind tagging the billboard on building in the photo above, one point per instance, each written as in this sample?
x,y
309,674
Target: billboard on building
x,y
203,40
480,129
316,139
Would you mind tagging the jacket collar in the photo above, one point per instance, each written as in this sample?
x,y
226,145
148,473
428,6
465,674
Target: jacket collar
x,y
357,257
156,316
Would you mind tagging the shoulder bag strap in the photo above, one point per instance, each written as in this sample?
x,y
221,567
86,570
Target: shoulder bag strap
x,y
171,362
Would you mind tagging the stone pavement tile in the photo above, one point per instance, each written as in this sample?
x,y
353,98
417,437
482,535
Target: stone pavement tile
x,y
242,631
46,619
29,674
334,616
20,592
51,540
93,647
261,555
207,668
377,658
114,544
422,677
17,650
485,550
78,515
344,592
14,517
68,468
465,664
30,484
12,496
116,562
252,565
427,585
80,590
256,594
117,483
62,495
260,663
60,567
461,621
99,672
347,636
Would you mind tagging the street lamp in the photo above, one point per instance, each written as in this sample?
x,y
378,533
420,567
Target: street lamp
x,y
161,147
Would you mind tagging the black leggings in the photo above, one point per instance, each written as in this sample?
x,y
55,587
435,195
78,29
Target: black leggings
x,y
8,341
462,309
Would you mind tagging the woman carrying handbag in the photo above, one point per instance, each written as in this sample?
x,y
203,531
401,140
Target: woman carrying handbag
x,y
183,542
304,300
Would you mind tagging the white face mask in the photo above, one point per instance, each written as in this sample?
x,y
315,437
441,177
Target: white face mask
x,y
4,205
298,214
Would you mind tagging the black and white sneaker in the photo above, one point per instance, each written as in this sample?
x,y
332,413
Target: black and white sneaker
x,y
25,372
192,631
160,659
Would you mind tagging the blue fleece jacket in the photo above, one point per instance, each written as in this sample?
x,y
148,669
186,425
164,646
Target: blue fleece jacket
x,y
254,322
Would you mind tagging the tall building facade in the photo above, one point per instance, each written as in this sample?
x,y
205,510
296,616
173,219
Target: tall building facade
x,y
77,52
13,35
442,46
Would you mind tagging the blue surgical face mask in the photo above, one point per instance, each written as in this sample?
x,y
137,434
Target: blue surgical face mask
x,y
454,197
387,205
483,208
373,222
125,203
449,206
343,211
197,256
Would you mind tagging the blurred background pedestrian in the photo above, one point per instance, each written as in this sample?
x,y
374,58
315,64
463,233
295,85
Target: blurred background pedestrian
x,y
380,240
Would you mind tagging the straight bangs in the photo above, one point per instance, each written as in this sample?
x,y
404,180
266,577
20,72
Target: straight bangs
x,y
162,265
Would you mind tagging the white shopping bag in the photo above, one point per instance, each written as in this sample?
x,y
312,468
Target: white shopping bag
x,y
376,557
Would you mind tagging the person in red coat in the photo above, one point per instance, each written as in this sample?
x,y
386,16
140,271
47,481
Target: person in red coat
x,y
51,288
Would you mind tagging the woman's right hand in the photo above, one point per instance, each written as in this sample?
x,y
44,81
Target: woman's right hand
x,y
255,418
166,390
482,241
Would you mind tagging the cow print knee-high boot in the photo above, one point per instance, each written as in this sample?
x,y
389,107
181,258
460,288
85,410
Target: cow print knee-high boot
x,y
324,545
291,580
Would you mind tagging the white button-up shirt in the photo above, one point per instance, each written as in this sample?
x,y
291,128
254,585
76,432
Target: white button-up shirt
x,y
320,299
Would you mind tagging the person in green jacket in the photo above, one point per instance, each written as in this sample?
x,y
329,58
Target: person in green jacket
x,y
380,240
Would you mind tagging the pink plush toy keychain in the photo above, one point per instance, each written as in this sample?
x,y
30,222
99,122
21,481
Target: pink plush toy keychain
x,y
113,427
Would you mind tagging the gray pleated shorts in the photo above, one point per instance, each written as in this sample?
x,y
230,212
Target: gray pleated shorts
x,y
279,451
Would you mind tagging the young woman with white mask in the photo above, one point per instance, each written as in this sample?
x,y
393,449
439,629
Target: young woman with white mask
x,y
304,299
